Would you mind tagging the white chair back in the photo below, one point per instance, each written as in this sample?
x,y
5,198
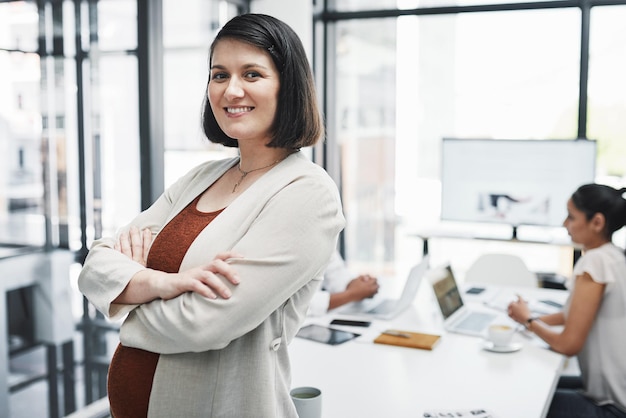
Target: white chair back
x,y
501,269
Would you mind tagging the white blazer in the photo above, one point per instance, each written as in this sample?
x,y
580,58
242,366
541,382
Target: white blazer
x,y
228,358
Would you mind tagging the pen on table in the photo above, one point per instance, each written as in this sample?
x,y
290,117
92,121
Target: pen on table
x,y
396,333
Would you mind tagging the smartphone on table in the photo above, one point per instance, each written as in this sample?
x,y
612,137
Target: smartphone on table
x,y
350,323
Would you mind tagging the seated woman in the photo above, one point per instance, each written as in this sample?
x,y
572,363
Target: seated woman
x,y
594,317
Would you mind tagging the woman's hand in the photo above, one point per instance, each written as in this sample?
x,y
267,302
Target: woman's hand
x,y
135,244
204,280
519,311
148,285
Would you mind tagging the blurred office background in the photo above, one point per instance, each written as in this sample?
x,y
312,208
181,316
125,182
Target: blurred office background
x,y
100,110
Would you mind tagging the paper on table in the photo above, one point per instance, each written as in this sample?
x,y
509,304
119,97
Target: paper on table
x,y
502,299
474,413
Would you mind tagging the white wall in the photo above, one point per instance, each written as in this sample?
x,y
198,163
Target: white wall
x,y
296,13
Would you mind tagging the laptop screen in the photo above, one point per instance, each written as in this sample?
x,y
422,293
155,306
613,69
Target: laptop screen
x,y
447,293
414,280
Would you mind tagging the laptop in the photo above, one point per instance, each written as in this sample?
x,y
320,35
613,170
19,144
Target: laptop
x,y
387,308
457,317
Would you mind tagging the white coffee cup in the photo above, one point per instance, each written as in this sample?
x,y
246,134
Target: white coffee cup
x,y
500,334
308,401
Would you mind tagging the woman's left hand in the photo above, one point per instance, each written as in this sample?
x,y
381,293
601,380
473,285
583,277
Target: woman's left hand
x,y
519,311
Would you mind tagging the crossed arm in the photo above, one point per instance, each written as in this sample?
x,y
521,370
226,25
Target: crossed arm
x,y
148,284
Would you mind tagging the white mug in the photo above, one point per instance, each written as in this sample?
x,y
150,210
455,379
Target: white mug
x,y
500,334
308,401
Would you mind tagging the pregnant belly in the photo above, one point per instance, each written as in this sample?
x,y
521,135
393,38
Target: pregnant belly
x,y
130,381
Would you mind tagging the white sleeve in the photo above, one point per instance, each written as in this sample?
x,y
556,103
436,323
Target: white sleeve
x,y
597,263
337,275
319,303
336,278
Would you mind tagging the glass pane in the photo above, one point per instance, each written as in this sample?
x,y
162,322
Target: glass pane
x,y
356,5
21,172
116,140
58,107
67,161
191,25
186,75
117,25
361,5
19,22
509,82
69,28
366,121
184,97
469,75
607,91
187,34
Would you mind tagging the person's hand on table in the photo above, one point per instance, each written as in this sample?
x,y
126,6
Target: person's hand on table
x,y
362,287
519,311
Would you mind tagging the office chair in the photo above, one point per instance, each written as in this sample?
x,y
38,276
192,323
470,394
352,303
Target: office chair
x,y
501,269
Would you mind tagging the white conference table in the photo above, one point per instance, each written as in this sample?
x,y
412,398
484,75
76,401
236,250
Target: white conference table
x,y
362,379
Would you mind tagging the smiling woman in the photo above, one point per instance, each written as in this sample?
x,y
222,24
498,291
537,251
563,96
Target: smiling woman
x,y
215,276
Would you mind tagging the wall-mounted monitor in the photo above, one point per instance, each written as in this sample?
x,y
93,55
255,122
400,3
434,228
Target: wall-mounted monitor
x,y
514,182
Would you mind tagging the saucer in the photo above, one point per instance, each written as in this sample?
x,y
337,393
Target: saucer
x,y
488,345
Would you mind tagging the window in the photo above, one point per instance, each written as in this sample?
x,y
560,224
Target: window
x,y
186,69
607,90
22,222
401,84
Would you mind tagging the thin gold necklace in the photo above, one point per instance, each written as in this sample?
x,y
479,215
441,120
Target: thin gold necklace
x,y
245,173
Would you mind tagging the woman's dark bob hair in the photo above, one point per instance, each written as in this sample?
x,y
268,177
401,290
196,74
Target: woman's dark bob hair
x,y
298,122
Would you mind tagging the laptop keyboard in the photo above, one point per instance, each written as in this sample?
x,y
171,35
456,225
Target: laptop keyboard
x,y
476,321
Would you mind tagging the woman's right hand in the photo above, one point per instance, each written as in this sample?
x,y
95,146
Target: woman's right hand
x,y
519,311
